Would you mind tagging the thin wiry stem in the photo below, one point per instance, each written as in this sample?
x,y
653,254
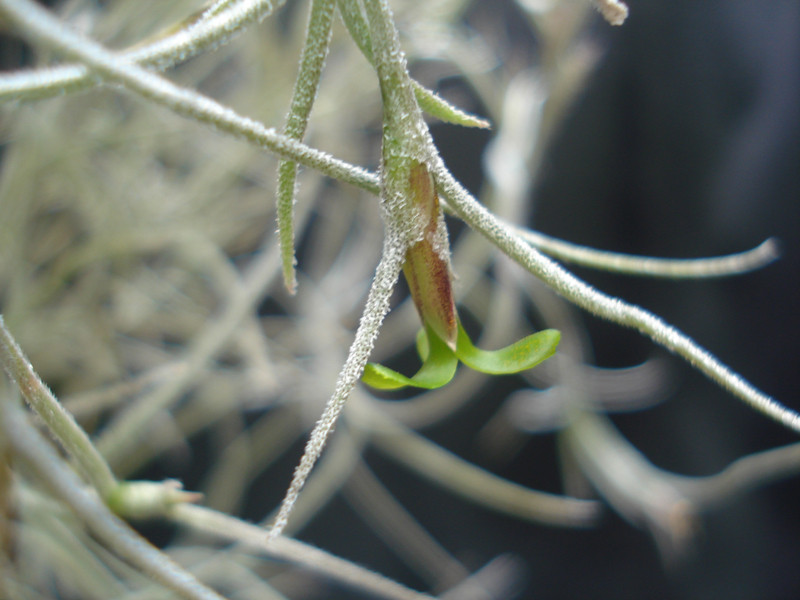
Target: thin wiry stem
x,y
217,7
58,420
216,26
28,445
356,23
406,141
381,511
331,472
627,264
124,433
318,39
666,502
742,475
636,489
41,26
375,311
229,528
477,485
602,305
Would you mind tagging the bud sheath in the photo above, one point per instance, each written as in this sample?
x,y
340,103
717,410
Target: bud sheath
x,y
427,266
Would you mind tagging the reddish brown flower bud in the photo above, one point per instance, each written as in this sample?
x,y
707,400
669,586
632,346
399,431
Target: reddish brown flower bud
x,y
427,266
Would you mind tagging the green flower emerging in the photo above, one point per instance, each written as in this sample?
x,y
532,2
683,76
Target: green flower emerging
x,y
443,342
440,361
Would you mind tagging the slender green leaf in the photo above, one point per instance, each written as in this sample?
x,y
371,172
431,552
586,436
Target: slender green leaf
x,y
318,37
438,107
519,356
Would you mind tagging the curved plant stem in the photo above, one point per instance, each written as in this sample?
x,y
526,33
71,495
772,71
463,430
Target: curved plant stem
x,y
215,26
742,475
643,494
475,484
667,503
356,23
318,39
376,308
28,444
42,27
627,264
58,420
385,515
283,548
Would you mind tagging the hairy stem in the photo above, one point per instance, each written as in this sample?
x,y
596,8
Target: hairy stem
x,y
647,266
28,444
229,528
58,420
376,308
312,62
214,28
40,26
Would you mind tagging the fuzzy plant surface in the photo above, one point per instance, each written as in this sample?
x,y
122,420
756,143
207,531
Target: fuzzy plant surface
x,y
209,213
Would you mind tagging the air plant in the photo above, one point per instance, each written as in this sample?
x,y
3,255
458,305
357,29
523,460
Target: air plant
x,y
442,341
414,185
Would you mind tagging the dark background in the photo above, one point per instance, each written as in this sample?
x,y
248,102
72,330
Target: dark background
x,y
687,143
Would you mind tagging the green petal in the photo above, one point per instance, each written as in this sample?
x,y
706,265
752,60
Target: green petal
x,y
524,354
438,369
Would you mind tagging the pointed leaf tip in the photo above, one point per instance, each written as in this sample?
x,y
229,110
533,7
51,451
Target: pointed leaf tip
x,y
519,356
438,107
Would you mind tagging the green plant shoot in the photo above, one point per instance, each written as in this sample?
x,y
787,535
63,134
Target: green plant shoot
x,y
442,342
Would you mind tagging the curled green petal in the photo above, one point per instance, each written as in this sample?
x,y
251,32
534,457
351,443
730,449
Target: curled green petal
x,y
438,369
519,356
